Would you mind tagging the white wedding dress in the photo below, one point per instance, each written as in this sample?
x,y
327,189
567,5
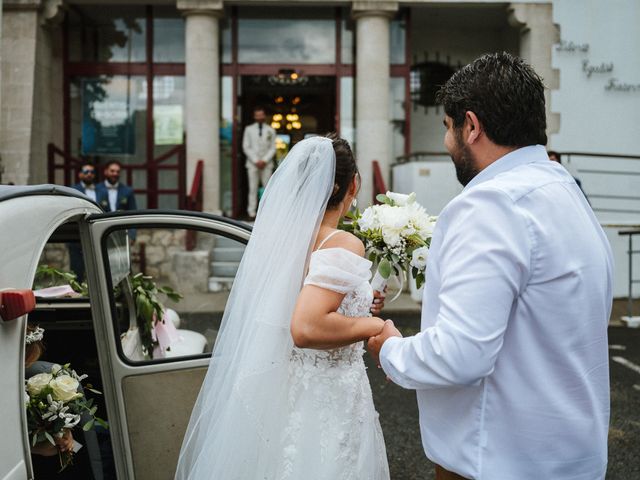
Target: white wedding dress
x,y
333,431
268,410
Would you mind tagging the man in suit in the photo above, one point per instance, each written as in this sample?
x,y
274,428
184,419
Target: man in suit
x,y
259,146
87,180
87,185
112,194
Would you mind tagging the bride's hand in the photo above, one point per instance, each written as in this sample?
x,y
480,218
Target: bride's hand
x,y
378,301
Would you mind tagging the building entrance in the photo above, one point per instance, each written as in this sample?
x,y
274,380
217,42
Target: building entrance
x,y
297,107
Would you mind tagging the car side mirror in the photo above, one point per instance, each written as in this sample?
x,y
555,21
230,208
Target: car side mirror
x,y
15,303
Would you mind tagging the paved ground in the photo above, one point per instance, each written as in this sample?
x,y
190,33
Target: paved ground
x,y
399,414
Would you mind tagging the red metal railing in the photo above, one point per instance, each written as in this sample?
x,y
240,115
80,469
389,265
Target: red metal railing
x,y
194,202
69,166
194,199
378,181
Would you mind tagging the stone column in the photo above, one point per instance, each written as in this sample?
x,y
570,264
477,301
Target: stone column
x,y
372,90
203,95
30,29
538,34
19,34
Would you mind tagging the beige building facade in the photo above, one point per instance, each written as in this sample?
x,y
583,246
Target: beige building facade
x,y
161,85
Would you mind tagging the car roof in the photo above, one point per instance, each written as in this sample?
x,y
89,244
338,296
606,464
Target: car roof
x,y
29,215
8,192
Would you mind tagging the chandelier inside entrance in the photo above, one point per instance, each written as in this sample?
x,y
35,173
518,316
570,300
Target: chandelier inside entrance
x,y
285,78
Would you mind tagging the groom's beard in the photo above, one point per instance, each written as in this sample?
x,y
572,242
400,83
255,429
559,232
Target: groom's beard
x,y
464,162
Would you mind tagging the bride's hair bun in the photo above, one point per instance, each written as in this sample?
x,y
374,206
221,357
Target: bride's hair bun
x,y
346,169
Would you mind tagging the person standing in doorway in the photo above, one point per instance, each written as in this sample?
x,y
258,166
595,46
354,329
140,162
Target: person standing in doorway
x,y
259,147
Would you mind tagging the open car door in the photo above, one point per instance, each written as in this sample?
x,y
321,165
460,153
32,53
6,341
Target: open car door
x,y
159,283
14,305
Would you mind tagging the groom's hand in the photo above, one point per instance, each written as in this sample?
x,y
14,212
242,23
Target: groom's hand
x,y
374,344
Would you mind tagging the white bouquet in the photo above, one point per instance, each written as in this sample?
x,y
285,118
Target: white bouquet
x,y
396,236
54,406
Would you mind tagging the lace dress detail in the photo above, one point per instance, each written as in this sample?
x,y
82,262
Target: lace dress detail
x,y
333,430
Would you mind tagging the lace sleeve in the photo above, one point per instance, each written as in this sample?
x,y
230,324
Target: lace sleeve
x,y
337,269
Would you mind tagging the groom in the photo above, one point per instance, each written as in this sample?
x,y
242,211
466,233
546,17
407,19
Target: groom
x,y
511,367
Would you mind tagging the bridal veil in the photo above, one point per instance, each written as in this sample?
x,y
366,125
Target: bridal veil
x,y
237,423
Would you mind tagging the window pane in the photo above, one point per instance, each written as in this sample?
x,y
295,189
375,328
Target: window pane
x,y
398,39
226,142
168,35
277,36
108,118
347,34
347,118
225,38
202,275
168,115
100,33
398,116
168,179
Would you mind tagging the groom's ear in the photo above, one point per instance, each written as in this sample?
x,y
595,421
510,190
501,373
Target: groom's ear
x,y
472,127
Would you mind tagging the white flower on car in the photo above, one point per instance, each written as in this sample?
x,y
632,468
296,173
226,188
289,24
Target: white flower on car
x,y
419,258
65,388
38,382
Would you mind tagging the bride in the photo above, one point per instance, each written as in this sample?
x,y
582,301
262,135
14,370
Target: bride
x,y
286,395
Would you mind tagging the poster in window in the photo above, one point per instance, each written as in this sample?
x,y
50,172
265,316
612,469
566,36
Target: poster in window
x,y
107,117
168,124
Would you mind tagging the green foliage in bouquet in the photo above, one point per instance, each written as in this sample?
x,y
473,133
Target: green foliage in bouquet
x,y
55,405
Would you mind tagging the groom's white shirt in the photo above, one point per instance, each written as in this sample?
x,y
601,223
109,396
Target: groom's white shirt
x,y
511,367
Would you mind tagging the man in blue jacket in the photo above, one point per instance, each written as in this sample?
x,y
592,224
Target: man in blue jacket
x,y
87,180
113,195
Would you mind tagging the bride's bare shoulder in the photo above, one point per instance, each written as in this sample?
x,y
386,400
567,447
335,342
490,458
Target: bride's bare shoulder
x,y
348,241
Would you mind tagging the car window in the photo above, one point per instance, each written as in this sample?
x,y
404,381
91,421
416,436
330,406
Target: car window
x,y
170,302
60,273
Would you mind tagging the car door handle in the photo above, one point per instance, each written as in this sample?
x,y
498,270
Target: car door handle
x,y
15,303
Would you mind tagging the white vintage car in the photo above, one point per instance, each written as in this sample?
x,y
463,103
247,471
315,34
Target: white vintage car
x,y
147,398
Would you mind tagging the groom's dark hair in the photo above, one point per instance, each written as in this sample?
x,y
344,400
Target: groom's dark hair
x,y
506,95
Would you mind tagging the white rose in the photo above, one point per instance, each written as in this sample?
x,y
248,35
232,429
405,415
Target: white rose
x,y
65,388
55,368
368,220
400,199
419,258
391,236
37,383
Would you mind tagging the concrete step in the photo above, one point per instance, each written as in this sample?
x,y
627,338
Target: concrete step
x,y
224,269
227,254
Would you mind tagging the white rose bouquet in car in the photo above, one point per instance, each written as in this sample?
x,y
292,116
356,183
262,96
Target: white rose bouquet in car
x,y
396,235
55,406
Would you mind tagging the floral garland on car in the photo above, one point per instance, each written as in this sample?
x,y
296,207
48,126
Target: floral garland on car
x,y
149,310
396,235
